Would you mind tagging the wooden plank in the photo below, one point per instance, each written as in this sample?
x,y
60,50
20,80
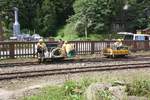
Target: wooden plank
x,y
11,50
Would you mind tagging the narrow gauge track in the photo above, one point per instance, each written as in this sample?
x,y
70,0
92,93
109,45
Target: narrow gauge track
x,y
18,64
130,58
36,73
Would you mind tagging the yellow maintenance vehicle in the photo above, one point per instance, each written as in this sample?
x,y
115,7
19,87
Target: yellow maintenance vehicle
x,y
117,49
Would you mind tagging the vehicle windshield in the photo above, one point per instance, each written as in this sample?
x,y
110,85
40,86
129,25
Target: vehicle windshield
x,y
128,37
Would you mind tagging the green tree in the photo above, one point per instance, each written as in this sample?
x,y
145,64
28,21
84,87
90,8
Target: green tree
x,y
95,15
52,15
5,19
137,16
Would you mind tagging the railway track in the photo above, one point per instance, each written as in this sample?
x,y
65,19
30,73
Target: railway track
x,y
18,64
58,71
136,58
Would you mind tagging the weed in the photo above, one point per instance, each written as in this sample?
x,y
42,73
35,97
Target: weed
x,y
105,95
73,90
139,88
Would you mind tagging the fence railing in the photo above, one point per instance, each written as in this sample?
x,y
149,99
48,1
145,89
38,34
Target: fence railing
x,y
28,49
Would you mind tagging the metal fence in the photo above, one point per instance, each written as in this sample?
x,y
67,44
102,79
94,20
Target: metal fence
x,y
28,49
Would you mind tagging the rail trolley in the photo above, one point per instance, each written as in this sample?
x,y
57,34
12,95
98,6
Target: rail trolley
x,y
53,52
116,51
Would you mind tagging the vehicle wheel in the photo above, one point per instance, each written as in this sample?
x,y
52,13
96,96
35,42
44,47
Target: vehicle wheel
x,y
39,60
112,56
101,53
108,56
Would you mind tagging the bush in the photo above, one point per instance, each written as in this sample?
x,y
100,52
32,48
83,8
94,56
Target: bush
x,y
67,33
139,88
73,90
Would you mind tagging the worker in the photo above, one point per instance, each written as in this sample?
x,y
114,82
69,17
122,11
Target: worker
x,y
63,48
60,43
41,46
68,49
118,43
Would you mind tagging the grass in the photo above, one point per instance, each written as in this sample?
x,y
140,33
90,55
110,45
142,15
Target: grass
x,y
139,88
68,33
71,90
105,95
90,37
138,84
49,93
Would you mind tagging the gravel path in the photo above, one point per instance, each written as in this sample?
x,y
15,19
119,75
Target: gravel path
x,y
65,65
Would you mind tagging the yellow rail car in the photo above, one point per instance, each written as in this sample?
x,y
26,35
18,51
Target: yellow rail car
x,y
113,52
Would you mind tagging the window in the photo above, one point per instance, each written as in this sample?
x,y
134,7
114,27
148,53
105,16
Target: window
x,y
146,38
128,37
139,38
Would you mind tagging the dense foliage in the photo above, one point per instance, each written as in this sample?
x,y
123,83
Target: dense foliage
x,y
46,17
92,14
42,16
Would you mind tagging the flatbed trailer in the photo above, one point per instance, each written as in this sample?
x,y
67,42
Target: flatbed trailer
x,y
114,52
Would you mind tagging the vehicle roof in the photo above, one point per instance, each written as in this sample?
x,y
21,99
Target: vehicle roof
x,y
125,33
129,33
141,34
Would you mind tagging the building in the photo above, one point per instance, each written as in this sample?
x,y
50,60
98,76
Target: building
x,y
146,31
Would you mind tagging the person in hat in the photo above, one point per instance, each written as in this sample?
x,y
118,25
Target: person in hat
x,y
41,46
118,43
63,48
60,43
68,49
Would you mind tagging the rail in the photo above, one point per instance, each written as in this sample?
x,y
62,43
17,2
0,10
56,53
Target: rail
x,y
36,73
28,49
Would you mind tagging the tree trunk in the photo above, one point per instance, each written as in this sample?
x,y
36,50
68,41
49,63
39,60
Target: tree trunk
x,y
86,28
86,31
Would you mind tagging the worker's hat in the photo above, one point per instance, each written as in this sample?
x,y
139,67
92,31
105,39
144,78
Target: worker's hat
x,y
41,40
119,40
66,42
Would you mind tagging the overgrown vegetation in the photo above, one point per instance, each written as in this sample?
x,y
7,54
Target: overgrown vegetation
x,y
73,90
105,95
139,88
67,34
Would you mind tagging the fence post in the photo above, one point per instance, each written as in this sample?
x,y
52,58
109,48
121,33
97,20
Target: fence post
x,y
12,49
108,44
92,47
134,48
34,51
76,47
146,45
